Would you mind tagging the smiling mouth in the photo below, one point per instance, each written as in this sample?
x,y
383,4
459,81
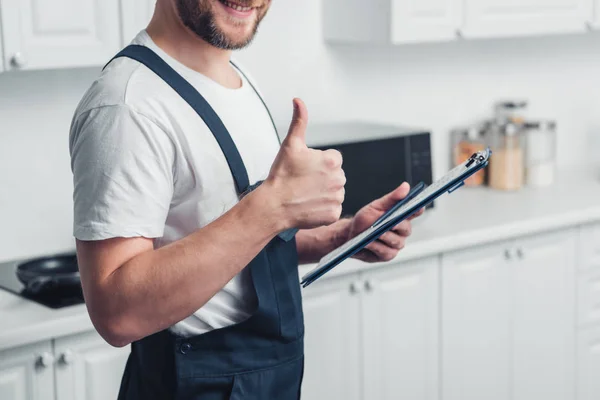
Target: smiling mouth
x,y
235,6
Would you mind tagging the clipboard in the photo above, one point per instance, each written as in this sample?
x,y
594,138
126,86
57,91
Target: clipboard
x,y
419,198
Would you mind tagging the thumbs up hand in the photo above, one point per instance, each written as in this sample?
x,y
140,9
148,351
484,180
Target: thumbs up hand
x,y
308,184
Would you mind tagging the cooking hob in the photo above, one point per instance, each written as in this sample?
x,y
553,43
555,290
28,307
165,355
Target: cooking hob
x,y
52,299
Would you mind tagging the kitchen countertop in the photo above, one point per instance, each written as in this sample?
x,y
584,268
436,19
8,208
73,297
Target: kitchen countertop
x,y
465,218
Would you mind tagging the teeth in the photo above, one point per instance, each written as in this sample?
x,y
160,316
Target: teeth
x,y
236,7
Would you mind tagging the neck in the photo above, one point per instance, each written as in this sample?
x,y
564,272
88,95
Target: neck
x,y
175,39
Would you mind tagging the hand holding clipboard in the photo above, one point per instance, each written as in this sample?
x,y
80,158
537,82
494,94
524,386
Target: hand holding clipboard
x,y
419,199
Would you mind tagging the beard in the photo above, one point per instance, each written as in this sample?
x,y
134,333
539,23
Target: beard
x,y
199,17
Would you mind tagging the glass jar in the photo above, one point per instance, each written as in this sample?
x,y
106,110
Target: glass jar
x,y
540,156
506,169
466,142
511,112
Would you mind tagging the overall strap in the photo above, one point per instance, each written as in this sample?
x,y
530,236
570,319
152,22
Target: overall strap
x,y
151,60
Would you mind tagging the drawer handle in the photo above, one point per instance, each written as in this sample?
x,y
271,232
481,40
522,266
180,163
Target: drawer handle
x,y
18,60
67,357
45,360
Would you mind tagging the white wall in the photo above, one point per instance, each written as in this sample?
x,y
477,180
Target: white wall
x,y
435,86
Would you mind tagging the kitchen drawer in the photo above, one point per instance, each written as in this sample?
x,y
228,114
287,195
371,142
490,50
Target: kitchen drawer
x,y
589,248
589,299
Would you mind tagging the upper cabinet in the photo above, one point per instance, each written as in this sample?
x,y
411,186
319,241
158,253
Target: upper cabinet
x,y
501,18
596,19
59,33
136,15
391,21
406,21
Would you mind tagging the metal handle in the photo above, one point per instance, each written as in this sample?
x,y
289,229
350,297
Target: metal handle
x,y
508,254
355,288
459,33
520,253
18,60
67,357
45,360
370,285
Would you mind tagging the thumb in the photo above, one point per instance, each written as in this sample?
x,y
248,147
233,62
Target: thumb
x,y
297,133
389,200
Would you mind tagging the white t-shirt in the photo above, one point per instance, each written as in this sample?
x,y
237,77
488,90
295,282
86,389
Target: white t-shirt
x,y
145,165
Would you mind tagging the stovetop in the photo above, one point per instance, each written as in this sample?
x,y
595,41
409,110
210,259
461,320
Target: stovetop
x,y
54,299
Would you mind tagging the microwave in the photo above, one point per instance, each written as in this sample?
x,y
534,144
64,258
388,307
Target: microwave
x,y
377,158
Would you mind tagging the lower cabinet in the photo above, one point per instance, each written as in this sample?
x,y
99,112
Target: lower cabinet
x,y
77,367
27,373
508,327
332,340
87,368
400,332
374,335
588,364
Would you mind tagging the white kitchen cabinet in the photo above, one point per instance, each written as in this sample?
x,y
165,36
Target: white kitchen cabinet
x,y
135,16
87,368
502,18
596,19
400,310
543,313
475,324
508,320
27,373
589,248
332,340
588,365
391,21
59,33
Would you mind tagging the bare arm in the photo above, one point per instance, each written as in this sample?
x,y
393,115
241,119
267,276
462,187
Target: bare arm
x,y
133,290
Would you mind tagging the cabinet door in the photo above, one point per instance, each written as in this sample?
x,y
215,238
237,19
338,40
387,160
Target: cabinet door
x,y
589,248
543,317
596,20
136,14
87,368
59,33
425,20
497,18
476,333
400,324
332,341
588,365
27,373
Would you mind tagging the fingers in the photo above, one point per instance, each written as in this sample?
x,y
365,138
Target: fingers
x,y
389,200
404,228
297,132
382,251
393,240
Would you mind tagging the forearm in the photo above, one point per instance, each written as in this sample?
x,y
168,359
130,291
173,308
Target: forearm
x,y
159,288
313,244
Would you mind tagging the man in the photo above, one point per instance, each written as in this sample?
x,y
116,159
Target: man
x,y
182,251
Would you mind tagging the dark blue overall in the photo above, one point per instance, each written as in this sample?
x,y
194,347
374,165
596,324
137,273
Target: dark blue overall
x,y
260,358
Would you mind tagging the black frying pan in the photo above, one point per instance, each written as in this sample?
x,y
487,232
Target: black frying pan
x,y
49,274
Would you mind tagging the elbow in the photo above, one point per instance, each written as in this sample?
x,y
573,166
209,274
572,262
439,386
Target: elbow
x,y
114,327
112,331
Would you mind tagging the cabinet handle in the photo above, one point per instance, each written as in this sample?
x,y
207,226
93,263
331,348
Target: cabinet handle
x,y
67,357
18,60
355,288
508,254
370,285
45,360
520,254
